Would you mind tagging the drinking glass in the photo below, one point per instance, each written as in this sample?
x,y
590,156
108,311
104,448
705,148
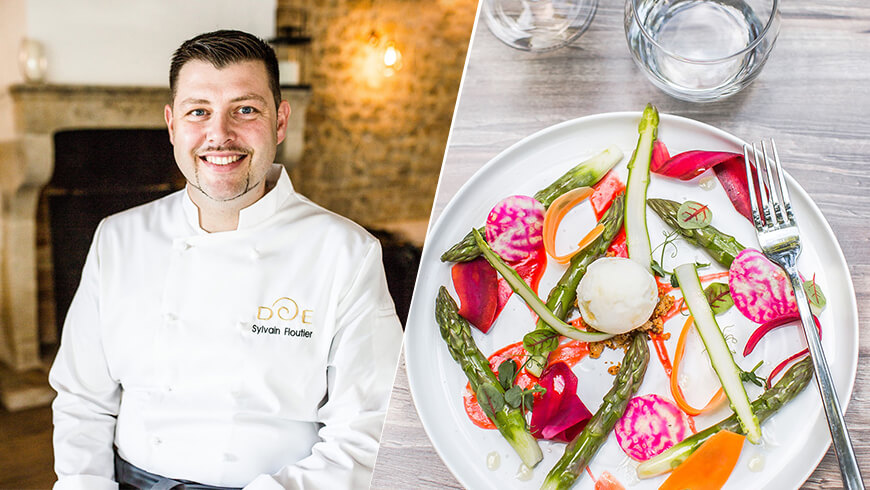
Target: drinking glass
x,y
701,50
538,25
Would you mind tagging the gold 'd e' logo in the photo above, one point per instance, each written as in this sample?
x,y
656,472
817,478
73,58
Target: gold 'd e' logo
x,y
285,309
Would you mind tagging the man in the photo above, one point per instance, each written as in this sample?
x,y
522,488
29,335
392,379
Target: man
x,y
232,334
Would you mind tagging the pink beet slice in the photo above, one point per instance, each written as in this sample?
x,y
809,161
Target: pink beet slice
x,y
649,426
760,289
476,285
514,227
729,169
660,155
558,415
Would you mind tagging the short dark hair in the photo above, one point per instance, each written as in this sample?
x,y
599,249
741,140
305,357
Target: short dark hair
x,y
224,47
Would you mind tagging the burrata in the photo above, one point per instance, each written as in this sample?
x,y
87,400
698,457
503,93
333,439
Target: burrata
x,y
616,295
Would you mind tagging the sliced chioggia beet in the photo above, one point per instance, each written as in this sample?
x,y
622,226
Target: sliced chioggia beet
x,y
760,289
476,285
720,355
559,414
650,425
515,226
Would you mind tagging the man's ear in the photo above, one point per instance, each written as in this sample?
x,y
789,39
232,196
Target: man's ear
x,y
167,116
283,117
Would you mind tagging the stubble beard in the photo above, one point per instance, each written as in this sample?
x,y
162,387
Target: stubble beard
x,y
242,190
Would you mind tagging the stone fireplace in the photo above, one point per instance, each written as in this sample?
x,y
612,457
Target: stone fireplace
x,y
27,164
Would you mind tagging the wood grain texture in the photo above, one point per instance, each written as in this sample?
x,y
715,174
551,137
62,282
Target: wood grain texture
x,y
812,96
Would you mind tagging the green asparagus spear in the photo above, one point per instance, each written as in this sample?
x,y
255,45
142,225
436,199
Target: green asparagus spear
x,y
792,382
519,286
584,174
717,349
580,451
721,247
464,250
543,339
636,235
510,422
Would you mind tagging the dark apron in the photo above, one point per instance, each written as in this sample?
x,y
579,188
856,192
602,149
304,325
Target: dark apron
x,y
131,477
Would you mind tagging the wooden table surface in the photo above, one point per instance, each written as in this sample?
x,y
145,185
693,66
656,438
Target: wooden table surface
x,y
812,95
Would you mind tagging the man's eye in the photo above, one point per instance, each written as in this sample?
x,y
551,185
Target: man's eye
x,y
198,112
247,110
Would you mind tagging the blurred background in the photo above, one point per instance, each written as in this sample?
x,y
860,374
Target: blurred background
x,y
372,86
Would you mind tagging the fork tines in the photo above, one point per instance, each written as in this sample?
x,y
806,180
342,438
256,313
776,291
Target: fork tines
x,y
771,188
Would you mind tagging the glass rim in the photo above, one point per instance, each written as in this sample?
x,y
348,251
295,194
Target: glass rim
x,y
751,46
493,23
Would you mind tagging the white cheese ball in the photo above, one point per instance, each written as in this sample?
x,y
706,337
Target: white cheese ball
x,y
616,295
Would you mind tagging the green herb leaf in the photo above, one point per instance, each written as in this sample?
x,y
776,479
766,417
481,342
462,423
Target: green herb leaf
x,y
719,297
751,377
529,396
693,215
490,399
674,281
507,373
815,295
541,341
514,396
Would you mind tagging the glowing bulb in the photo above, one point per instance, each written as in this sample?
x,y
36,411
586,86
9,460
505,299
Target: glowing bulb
x,y
392,59
392,56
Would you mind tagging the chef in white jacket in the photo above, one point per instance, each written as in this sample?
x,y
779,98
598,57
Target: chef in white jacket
x,y
232,334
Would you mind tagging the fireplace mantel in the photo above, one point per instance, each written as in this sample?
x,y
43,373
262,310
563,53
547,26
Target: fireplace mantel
x,y
45,109
27,164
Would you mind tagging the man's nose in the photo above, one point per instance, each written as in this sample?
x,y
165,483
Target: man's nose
x,y
220,129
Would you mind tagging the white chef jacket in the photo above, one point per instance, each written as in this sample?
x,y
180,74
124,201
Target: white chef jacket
x,y
261,357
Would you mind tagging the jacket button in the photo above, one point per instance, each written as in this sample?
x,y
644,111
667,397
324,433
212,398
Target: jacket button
x,y
181,245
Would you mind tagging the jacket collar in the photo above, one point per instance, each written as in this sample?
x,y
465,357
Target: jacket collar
x,y
279,188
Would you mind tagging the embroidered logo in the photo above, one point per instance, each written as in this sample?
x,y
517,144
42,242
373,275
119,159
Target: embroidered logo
x,y
283,311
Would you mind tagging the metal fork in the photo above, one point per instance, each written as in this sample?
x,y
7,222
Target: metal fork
x,y
780,241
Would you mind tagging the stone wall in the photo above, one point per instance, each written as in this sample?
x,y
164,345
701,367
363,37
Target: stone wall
x,y
374,143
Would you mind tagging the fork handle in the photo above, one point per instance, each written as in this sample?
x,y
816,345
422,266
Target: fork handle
x,y
836,423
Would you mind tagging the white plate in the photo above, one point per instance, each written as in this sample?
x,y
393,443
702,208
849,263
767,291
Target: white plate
x,y
795,439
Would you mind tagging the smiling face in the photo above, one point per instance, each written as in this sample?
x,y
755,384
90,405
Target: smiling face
x,y
224,128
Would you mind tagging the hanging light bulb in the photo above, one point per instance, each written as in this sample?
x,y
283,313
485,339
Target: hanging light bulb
x,y
392,59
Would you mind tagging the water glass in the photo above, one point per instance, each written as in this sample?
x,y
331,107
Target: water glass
x,y
538,25
701,50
